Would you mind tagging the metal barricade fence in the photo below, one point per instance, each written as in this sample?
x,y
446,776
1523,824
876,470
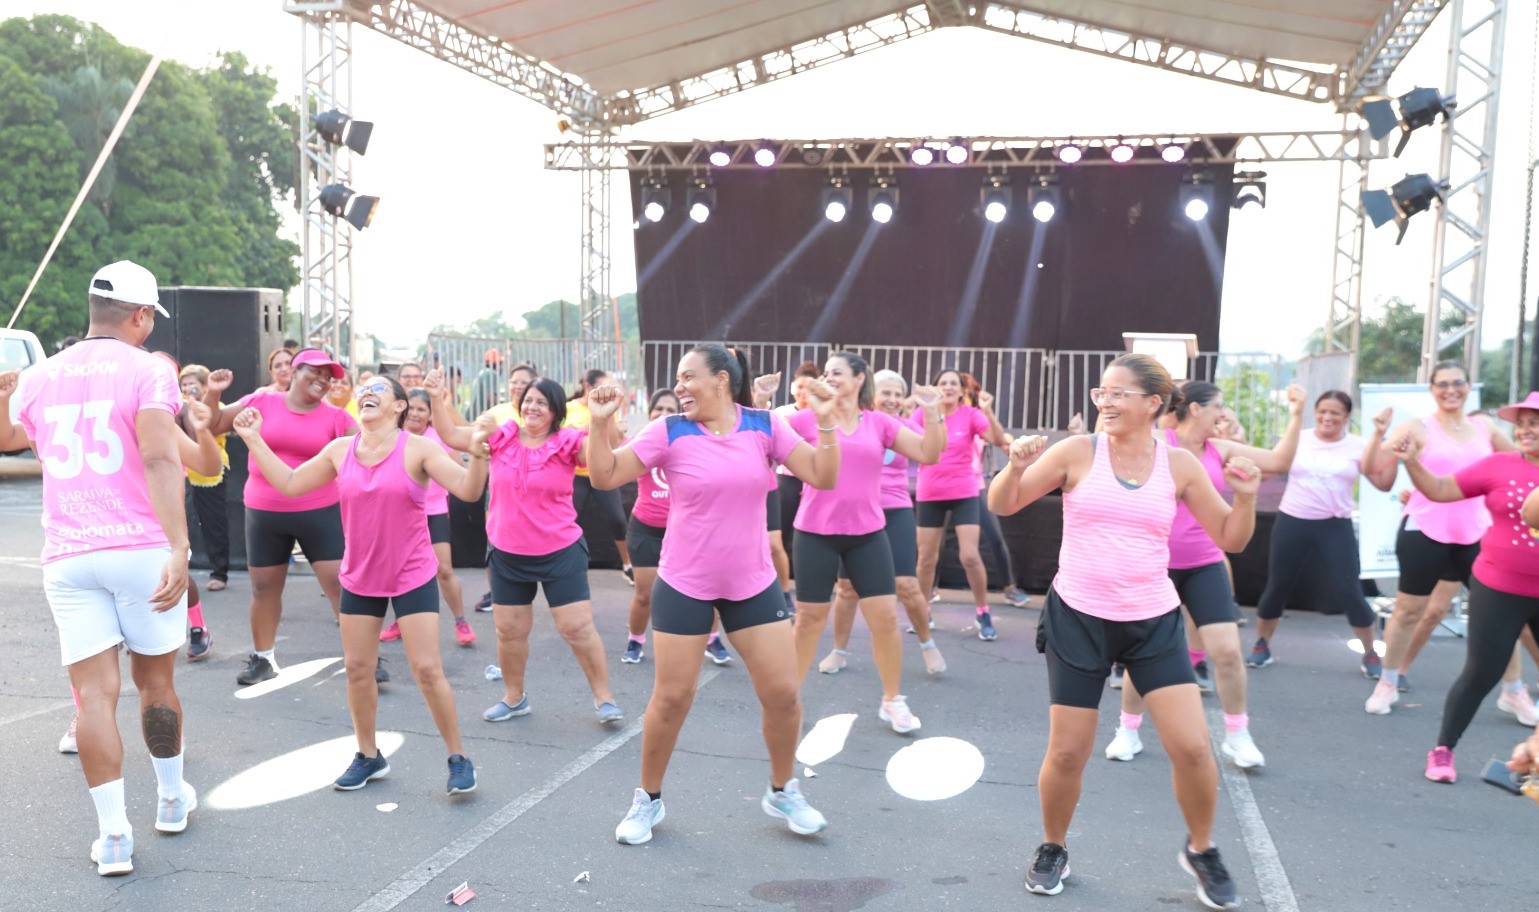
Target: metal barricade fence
x,y
477,367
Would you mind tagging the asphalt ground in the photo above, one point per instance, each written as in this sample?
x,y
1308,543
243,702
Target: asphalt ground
x,y
1340,818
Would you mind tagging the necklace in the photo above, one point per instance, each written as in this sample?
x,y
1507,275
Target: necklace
x,y
375,450
1131,477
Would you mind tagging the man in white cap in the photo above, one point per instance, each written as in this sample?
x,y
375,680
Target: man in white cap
x,y
100,415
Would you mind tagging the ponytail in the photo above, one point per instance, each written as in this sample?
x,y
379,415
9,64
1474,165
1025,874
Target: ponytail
x,y
733,362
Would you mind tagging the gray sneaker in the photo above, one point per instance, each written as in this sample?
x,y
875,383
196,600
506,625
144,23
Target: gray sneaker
x,y
609,712
502,712
644,814
171,813
114,855
789,805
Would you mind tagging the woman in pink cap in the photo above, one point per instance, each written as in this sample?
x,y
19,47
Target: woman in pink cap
x,y
1504,584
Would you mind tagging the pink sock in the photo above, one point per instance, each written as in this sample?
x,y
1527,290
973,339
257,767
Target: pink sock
x,y
983,609
75,695
638,637
1131,720
195,615
1236,723
715,635
1197,655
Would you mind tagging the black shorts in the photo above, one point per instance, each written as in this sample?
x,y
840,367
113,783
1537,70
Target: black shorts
x,y
1425,561
645,543
420,600
270,535
1206,593
563,575
771,511
865,559
964,512
1081,648
438,528
676,613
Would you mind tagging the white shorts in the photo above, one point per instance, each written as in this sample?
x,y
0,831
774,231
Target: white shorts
x,y
102,598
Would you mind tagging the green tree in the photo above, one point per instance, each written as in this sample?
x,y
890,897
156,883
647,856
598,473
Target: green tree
x,y
90,105
548,321
1389,347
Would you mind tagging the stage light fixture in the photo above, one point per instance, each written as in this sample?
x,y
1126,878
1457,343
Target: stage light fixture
x,y
1411,194
1196,197
1070,154
340,130
1418,108
654,199
1173,153
701,199
343,202
1249,187
995,198
838,199
1044,198
1121,153
921,155
957,153
883,198
764,156
720,158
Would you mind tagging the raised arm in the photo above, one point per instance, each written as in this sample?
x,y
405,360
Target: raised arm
x,y
446,421
926,449
200,452
996,433
818,466
1379,464
319,470
1439,488
163,478
465,482
1035,470
609,468
1229,527
12,436
764,389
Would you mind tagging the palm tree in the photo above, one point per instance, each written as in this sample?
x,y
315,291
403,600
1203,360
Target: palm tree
x,y
90,105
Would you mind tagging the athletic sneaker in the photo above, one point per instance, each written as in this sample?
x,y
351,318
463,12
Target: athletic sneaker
x,y
1016,597
391,633
1404,684
171,813
1260,655
198,642
1125,744
933,662
463,632
629,573
633,652
1204,676
462,775
502,712
935,595
789,805
716,652
644,814
381,673
896,713
1440,765
362,771
609,712
1214,886
1241,748
484,603
834,662
1115,681
258,669
1383,697
114,855
790,598
1520,705
912,630
1372,666
986,627
1049,869
69,744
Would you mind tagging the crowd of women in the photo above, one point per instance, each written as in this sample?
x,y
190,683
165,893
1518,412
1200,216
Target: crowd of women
x,y
851,484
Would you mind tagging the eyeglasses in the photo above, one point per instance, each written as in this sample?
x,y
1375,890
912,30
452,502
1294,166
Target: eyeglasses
x,y
1116,395
1450,384
372,388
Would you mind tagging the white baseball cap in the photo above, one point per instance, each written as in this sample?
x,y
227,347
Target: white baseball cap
x,y
129,283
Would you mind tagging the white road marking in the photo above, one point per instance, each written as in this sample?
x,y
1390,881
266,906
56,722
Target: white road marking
x,y
1271,879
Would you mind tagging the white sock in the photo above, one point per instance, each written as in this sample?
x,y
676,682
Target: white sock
x,y
111,816
1513,687
168,775
1390,676
268,655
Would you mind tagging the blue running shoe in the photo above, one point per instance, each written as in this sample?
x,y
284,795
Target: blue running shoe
x,y
716,652
462,775
361,772
609,712
986,627
1260,655
634,652
502,712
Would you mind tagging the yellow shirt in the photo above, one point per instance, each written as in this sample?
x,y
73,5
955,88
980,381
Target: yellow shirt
x,y
503,412
208,481
578,416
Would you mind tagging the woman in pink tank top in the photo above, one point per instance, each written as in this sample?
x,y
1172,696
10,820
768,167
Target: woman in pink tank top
x,y
383,474
1113,601
1438,542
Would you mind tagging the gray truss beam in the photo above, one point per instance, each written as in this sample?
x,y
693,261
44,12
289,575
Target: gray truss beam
x,y
1398,30
1343,323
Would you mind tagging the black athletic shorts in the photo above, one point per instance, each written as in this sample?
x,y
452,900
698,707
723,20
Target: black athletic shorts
x,y
1425,561
1081,648
771,511
270,535
964,512
674,612
645,542
420,600
563,575
438,528
865,559
1206,593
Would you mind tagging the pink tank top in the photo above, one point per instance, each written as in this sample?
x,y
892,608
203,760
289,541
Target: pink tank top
x,y
438,495
1190,545
1116,541
384,521
1462,522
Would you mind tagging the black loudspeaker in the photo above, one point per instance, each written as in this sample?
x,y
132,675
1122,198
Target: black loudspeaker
x,y
233,328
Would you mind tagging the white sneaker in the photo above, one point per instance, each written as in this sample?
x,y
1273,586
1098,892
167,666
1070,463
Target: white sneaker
x,y
1520,705
114,855
68,744
790,805
1239,747
834,662
644,814
1125,745
895,712
1383,697
171,813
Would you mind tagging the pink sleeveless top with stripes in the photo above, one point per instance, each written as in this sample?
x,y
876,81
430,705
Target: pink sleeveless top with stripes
x,y
1116,541
384,521
1462,522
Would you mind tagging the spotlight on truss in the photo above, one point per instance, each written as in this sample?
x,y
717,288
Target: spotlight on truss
x,y
995,197
654,199
883,198
343,202
340,130
1044,198
1196,197
700,201
921,155
764,156
957,153
1411,194
1070,154
1418,108
838,199
720,158
1249,187
1121,153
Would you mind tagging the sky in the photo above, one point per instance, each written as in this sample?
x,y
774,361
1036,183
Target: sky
x,y
471,222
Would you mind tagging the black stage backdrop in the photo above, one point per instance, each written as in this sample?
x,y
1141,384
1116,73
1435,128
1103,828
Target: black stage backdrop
x,y
1120,257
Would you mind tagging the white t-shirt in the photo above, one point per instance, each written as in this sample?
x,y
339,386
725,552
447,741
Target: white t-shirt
x,y
1322,477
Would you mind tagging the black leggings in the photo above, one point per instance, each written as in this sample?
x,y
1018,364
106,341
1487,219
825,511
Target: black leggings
x,y
1496,619
1329,549
611,509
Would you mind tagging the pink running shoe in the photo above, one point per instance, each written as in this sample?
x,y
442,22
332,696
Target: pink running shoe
x,y
1440,765
391,633
463,633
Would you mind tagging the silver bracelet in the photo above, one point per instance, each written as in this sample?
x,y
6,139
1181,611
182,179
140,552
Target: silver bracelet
x,y
824,430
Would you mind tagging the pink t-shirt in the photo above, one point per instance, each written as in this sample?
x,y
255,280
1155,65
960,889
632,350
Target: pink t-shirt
x,y
1323,475
78,408
957,475
384,521
1462,522
1190,545
530,511
854,505
652,500
716,547
895,489
295,437
438,495
1509,550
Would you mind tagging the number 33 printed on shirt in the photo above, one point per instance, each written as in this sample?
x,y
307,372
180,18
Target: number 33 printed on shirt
x,y
65,420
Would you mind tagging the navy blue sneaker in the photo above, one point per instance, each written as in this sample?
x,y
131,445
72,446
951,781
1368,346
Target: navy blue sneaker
x,y
362,771
634,652
1214,886
1260,655
462,775
716,652
986,626
1372,666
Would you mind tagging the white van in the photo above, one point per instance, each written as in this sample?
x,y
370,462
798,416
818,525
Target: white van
x,y
19,349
